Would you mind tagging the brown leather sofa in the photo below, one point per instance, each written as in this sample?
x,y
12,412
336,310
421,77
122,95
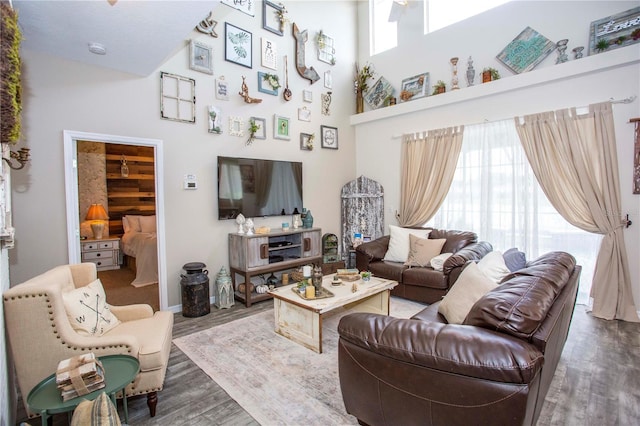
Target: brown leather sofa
x,y
418,283
494,369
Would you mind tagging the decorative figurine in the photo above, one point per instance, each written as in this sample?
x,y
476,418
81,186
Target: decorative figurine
x,y
562,49
577,52
454,79
471,72
240,220
245,94
248,225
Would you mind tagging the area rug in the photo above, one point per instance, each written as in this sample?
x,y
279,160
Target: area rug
x,y
277,381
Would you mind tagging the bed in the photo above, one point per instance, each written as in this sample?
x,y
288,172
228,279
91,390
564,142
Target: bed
x,y
140,242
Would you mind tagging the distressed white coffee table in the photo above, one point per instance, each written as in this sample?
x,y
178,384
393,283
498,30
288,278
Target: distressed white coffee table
x,y
300,320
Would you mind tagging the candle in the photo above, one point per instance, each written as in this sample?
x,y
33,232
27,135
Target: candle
x,y
306,271
310,292
285,279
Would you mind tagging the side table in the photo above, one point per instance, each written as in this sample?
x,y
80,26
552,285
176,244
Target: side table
x,y
119,371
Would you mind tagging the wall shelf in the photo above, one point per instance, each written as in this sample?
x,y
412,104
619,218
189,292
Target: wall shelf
x,y
588,65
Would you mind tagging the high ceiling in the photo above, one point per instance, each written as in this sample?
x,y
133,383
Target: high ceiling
x,y
139,35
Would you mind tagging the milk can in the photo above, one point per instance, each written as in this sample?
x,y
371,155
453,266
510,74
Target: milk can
x,y
195,290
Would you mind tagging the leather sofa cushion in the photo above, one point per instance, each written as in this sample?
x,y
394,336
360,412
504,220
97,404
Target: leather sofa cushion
x,y
431,314
520,304
456,240
388,270
425,277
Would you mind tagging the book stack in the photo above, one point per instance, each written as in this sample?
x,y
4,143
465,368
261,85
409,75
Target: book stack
x,y
79,376
351,274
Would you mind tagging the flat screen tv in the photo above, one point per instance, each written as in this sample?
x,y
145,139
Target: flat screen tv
x,y
258,188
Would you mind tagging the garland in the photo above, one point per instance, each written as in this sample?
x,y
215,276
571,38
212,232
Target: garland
x,y
10,66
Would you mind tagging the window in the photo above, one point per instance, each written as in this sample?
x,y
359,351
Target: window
x,y
442,13
495,193
384,34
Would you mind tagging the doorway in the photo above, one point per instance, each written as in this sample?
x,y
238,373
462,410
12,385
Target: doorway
x,y
74,233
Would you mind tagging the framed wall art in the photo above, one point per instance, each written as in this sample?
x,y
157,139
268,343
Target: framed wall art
x,y
615,31
177,98
245,6
269,54
414,87
526,51
304,114
328,80
261,133
271,13
281,127
307,95
236,126
215,120
264,84
238,45
306,141
379,92
329,137
222,89
326,49
200,57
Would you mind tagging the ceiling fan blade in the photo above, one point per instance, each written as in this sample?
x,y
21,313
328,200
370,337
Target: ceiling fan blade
x,y
112,2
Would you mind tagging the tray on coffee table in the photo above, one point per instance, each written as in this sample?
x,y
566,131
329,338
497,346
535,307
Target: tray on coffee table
x,y
324,293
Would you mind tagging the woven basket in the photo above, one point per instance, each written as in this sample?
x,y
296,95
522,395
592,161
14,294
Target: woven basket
x,y
296,276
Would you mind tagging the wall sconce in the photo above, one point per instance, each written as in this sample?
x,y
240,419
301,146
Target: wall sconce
x,y
97,215
124,169
22,156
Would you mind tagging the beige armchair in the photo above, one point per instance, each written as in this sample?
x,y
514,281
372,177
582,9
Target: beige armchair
x,y
40,334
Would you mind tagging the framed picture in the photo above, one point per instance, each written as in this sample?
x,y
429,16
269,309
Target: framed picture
x,y
269,53
177,98
201,57
214,120
414,87
264,86
307,95
238,45
326,49
261,133
280,127
612,32
304,114
329,137
271,17
236,126
247,6
328,80
379,92
526,51
306,141
222,89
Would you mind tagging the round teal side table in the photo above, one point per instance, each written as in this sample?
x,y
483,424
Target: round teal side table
x,y
119,371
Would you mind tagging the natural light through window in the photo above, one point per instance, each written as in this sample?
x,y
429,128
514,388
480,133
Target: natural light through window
x,y
441,13
384,34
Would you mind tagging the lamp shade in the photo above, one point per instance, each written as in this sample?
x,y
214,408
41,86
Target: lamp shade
x,y
96,212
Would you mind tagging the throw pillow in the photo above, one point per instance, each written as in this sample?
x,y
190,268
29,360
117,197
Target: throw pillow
x,y
398,250
134,222
88,311
99,412
437,262
514,259
493,266
148,224
470,286
422,250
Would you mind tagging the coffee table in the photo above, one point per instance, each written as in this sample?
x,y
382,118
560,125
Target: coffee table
x,y
300,320
119,371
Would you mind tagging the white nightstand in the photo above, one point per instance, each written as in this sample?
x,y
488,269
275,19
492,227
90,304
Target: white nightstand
x,y
105,252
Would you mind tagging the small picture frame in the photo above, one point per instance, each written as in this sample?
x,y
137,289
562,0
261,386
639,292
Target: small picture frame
x,y
264,86
261,133
329,137
328,80
271,17
236,126
281,127
378,93
326,49
247,7
304,114
214,119
306,141
222,89
238,45
269,53
307,95
200,57
414,87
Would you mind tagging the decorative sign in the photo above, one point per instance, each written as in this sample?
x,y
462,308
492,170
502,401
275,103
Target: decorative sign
x,y
615,31
301,39
222,89
526,51
379,92
245,6
414,87
269,54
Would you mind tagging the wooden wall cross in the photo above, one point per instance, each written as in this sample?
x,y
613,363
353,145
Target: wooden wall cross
x,y
636,157
301,38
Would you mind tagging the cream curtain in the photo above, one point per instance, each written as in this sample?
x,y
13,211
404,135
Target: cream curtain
x,y
574,159
428,165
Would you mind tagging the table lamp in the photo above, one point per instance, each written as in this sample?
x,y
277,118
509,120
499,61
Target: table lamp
x,y
97,215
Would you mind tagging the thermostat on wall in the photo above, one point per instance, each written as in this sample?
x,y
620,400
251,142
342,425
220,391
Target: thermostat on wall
x,y
190,182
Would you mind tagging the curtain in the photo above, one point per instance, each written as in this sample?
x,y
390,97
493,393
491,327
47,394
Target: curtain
x,y
495,193
428,164
575,160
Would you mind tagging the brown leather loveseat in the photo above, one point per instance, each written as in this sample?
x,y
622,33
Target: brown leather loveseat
x,y
493,369
423,284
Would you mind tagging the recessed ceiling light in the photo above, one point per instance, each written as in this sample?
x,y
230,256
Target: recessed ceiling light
x,y
97,48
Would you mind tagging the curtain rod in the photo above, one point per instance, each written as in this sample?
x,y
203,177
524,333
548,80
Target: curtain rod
x,y
627,100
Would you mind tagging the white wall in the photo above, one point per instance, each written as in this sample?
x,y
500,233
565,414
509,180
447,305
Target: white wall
x,y
63,95
483,37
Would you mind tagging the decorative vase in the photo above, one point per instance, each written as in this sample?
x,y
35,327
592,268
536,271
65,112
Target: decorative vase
x,y
471,72
577,52
307,220
562,49
359,102
454,79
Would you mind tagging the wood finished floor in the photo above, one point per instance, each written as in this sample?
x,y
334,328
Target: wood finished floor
x,y
596,383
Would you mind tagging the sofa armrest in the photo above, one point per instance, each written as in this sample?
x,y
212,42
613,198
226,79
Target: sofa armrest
x,y
451,348
132,312
475,252
371,251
